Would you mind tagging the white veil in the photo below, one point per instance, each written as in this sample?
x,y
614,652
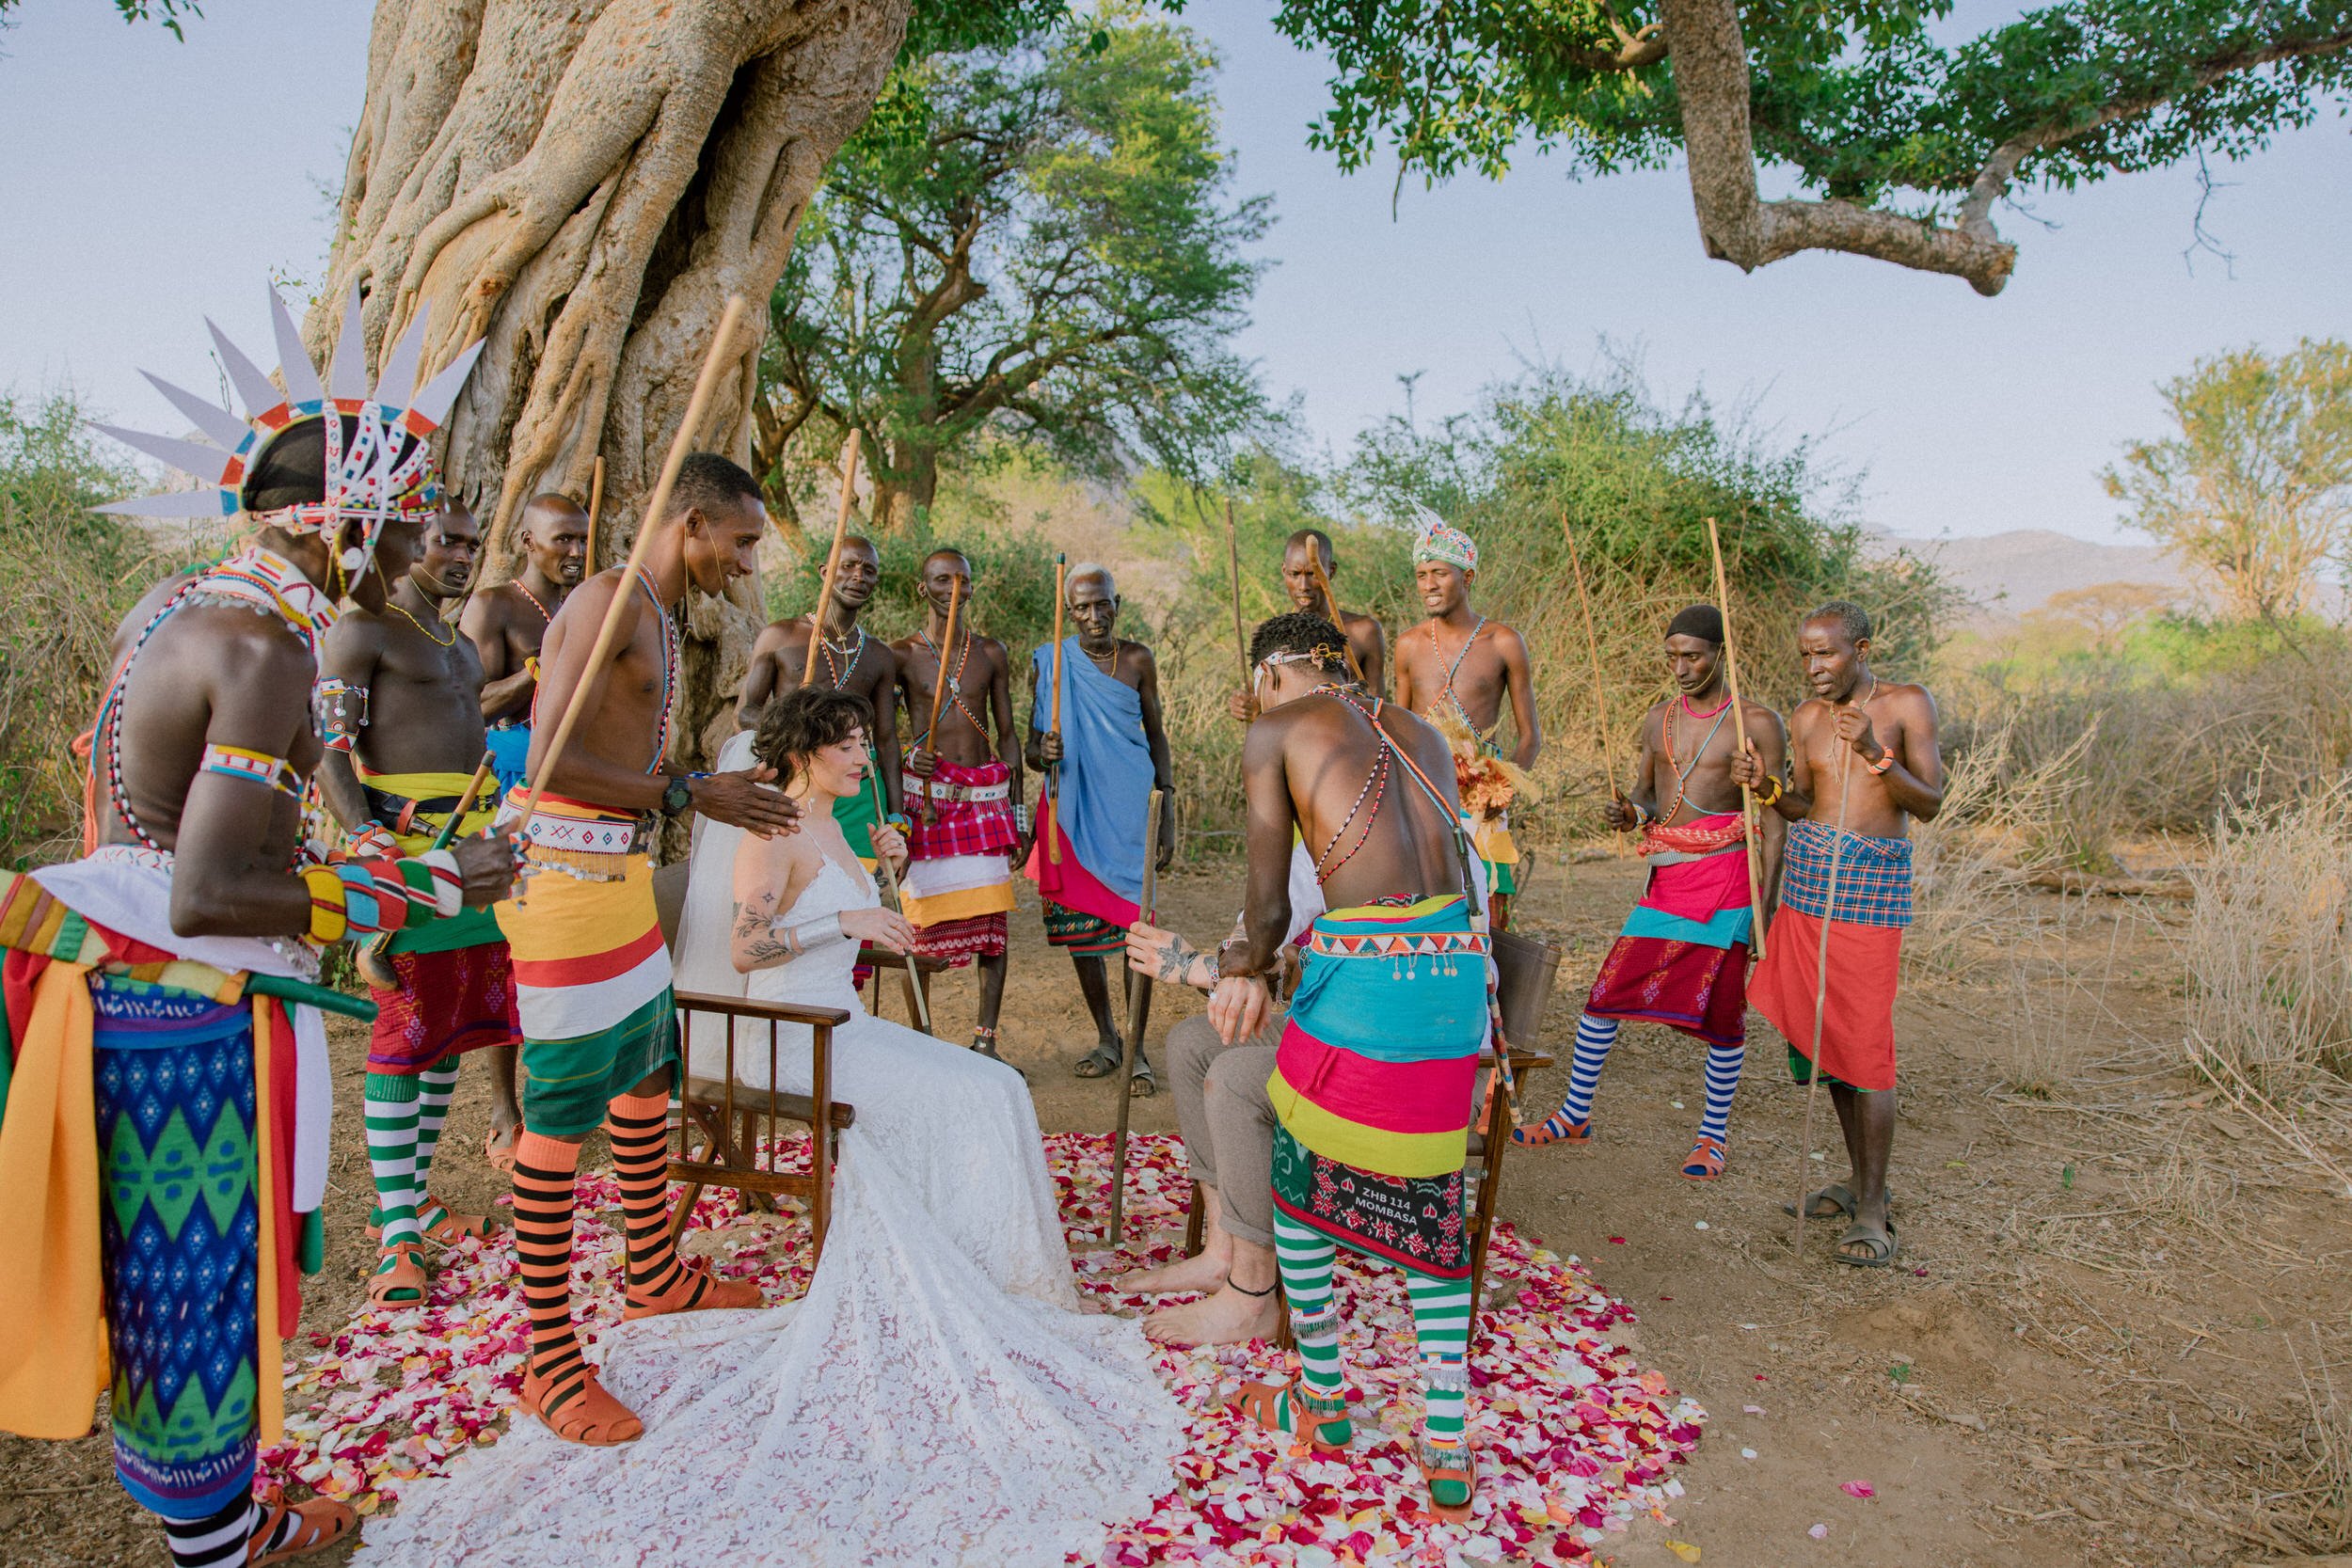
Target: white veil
x,y
701,961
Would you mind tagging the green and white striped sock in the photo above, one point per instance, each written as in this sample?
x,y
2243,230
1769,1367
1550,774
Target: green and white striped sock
x,y
434,1085
391,1114
1442,1318
1305,1257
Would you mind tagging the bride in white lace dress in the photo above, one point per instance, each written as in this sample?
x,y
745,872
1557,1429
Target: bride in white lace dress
x,y
938,1396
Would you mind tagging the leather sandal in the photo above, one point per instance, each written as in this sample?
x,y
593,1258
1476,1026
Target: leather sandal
x,y
501,1156
451,1229
1265,1403
584,1410
697,1291
1457,1463
399,1268
1705,1163
452,1226
320,1522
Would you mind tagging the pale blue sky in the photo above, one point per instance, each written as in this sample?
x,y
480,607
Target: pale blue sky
x,y
148,183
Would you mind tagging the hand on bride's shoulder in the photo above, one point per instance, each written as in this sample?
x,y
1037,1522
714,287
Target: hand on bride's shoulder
x,y
880,927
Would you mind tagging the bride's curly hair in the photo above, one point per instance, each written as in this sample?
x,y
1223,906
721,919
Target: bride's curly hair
x,y
807,721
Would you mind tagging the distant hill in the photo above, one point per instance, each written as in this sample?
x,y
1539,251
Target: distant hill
x,y
2009,573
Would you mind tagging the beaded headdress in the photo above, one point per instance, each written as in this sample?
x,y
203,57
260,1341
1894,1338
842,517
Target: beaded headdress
x,y
1435,539
381,470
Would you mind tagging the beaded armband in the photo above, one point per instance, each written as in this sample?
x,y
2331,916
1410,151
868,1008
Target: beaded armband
x,y
340,711
236,762
365,898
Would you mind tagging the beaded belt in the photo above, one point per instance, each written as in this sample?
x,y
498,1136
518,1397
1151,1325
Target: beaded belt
x,y
592,849
977,794
1402,944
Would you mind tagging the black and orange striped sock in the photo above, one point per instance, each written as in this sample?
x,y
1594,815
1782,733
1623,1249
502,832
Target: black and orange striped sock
x,y
545,1174
639,1125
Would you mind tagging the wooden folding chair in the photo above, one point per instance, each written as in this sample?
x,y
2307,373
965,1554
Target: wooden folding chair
x,y
915,974
740,1125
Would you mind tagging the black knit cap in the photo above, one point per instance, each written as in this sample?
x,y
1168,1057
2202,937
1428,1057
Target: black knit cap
x,y
1702,621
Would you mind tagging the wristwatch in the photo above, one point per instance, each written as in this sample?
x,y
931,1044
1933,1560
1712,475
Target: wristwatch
x,y
676,798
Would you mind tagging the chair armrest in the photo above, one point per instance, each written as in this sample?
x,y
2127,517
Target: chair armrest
x,y
778,1012
880,958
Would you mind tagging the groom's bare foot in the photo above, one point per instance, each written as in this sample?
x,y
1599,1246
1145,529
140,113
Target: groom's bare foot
x,y
1203,1271
1227,1318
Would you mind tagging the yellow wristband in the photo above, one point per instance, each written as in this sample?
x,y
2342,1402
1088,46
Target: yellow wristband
x,y
329,924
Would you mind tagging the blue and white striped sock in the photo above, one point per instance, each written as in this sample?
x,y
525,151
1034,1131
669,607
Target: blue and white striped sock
x,y
1594,1038
1723,1080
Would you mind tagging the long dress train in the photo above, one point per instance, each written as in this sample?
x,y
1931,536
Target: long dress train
x,y
935,1398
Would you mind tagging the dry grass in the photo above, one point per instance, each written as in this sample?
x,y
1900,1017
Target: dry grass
x,y
2269,994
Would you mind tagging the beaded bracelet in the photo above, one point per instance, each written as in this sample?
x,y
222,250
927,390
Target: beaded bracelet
x,y
1772,782
1886,761
370,841
361,898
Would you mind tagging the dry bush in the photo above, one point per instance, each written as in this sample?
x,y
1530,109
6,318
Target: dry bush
x,y
67,578
2269,1003
2000,825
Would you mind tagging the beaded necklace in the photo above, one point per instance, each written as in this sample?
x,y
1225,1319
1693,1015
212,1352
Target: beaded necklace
x,y
955,683
1682,774
518,586
669,670
1454,669
398,609
262,578
1376,789
840,675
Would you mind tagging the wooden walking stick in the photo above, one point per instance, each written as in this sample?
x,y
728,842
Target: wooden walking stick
x,y
1138,993
889,874
1232,559
1749,811
1820,994
1323,581
1592,649
833,558
1052,774
623,599
373,966
939,690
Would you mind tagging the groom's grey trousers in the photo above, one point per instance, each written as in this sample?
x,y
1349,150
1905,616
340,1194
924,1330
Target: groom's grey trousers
x,y
1228,1121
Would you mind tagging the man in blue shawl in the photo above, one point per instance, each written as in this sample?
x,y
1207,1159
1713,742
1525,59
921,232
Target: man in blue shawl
x,y
1103,762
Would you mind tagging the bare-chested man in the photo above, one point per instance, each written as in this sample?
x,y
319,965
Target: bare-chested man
x,y
848,659
1862,758
1365,638
967,819
1461,666
1108,756
402,692
163,1044
1375,1075
508,622
600,1028
1683,957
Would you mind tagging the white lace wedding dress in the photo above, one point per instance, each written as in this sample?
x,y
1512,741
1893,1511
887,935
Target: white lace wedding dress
x,y
936,1398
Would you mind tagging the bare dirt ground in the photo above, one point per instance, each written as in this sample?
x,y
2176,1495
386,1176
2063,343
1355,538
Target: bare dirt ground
x,y
2113,1335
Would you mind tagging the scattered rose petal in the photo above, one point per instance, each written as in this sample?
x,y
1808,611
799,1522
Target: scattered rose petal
x,y
1858,1489
1576,1441
1684,1550
1818,1532
1751,1409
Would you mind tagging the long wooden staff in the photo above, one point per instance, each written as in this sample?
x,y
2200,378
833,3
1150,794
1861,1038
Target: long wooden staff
x,y
373,966
1053,775
833,558
1139,994
1232,559
1749,811
890,885
1592,649
1323,581
939,690
1820,994
623,599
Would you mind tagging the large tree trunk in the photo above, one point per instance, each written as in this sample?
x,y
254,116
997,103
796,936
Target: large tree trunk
x,y
584,183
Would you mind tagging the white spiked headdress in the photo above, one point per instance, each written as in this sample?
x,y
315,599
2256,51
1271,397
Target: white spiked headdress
x,y
369,478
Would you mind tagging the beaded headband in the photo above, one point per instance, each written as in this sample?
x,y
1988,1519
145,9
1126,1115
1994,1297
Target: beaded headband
x,y
369,478
1435,539
1322,653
